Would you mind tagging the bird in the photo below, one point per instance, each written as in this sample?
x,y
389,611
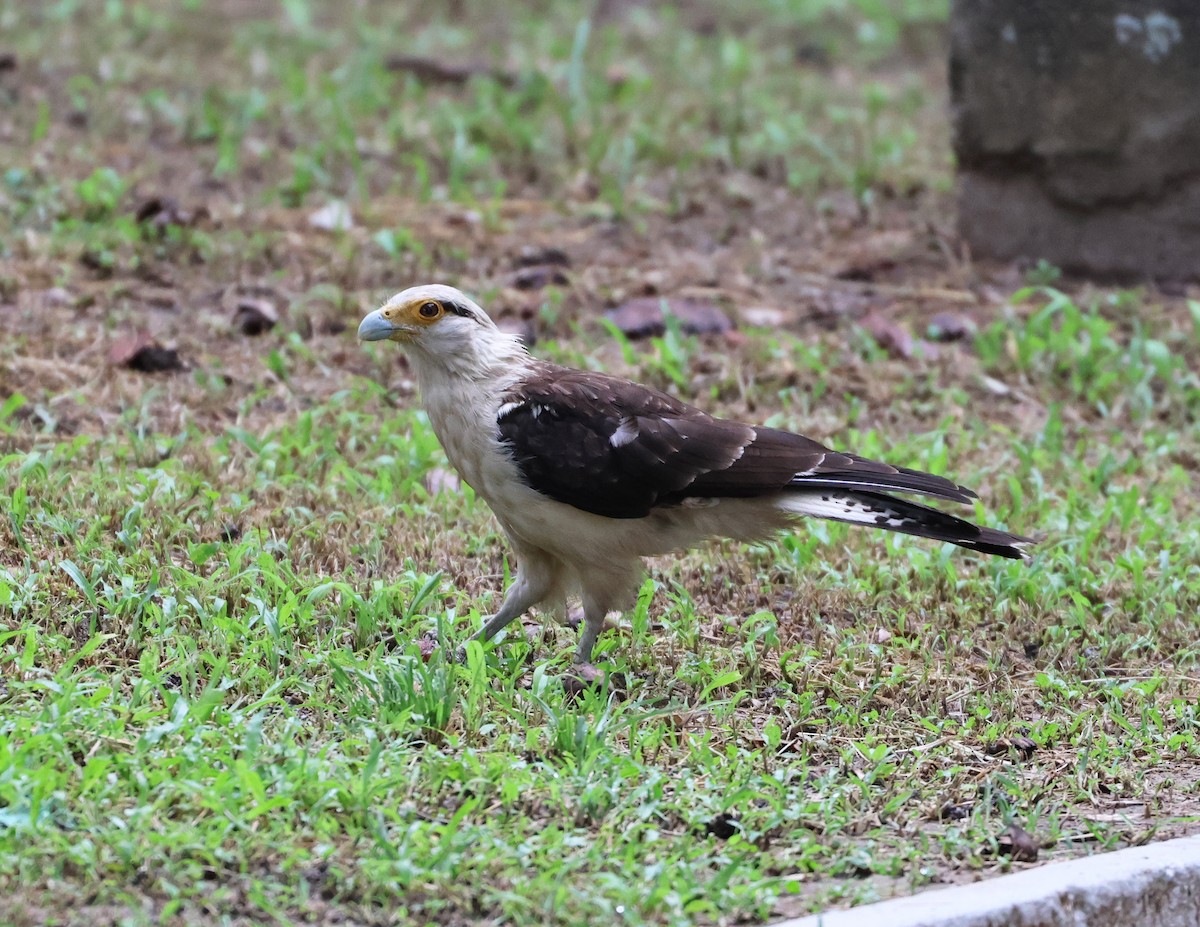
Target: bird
x,y
589,473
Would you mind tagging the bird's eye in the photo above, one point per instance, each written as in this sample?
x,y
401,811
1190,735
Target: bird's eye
x,y
430,310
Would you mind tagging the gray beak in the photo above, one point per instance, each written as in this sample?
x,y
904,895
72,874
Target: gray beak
x,y
375,327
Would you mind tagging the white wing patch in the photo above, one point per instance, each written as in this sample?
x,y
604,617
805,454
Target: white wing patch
x,y
626,433
508,409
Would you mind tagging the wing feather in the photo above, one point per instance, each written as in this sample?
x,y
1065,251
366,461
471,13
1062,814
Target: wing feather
x,y
619,449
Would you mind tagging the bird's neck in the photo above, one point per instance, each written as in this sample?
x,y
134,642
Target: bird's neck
x,y
472,362
461,394
477,371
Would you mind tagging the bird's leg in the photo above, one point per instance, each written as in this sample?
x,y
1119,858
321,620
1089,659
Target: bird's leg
x,y
594,612
517,601
610,591
587,639
529,588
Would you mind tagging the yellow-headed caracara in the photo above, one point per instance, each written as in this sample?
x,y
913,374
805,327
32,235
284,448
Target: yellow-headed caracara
x,y
589,473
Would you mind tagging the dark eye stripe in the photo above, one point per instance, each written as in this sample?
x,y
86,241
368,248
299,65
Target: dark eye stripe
x,y
456,309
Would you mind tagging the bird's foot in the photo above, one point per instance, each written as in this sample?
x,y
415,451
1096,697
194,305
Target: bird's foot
x,y
583,676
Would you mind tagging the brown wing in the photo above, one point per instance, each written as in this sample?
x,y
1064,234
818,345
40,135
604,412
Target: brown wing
x,y
616,448
609,446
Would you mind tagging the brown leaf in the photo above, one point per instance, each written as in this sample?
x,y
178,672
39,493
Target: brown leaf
x,y
1023,745
643,317
867,271
888,334
142,353
539,276
427,646
533,255
253,316
447,70
952,812
950,326
723,826
160,211
1019,844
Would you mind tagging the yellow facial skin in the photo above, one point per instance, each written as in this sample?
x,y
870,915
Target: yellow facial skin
x,y
401,322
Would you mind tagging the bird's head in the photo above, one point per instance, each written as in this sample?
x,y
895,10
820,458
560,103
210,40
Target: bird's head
x,y
426,315
443,327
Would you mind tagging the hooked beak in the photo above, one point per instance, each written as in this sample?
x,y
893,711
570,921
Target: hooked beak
x,y
374,327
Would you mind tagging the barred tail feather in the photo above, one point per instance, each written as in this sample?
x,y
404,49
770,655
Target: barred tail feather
x,y
879,510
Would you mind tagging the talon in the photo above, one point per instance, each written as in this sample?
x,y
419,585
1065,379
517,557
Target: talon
x,y
583,676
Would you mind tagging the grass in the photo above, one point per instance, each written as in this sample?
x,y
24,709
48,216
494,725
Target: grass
x,y
213,582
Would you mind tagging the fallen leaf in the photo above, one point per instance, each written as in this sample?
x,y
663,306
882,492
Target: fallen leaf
x,y
867,271
160,211
888,334
1019,844
539,276
467,218
447,70
8,61
230,532
533,255
762,316
142,353
723,826
882,635
334,216
1022,745
427,645
952,812
643,317
950,326
254,316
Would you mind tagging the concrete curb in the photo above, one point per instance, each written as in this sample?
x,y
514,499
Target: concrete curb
x,y
1152,886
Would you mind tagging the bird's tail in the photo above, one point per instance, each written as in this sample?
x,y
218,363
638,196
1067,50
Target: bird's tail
x,y
879,510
